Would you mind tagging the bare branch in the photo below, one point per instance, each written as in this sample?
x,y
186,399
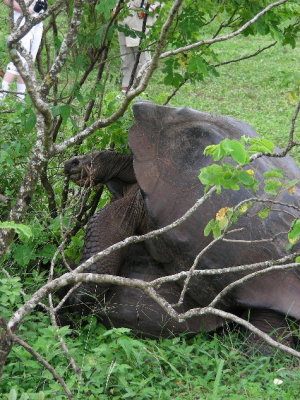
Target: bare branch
x,y
65,298
225,37
248,277
222,237
217,271
175,91
291,141
242,322
245,57
62,342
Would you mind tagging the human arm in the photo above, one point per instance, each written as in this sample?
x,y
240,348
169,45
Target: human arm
x,y
16,6
155,5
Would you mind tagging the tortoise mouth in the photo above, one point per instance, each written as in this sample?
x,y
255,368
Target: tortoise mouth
x,y
79,179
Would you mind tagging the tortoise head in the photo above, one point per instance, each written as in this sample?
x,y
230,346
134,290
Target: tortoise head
x,y
90,169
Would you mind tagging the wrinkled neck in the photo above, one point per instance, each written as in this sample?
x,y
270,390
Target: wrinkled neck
x,y
123,168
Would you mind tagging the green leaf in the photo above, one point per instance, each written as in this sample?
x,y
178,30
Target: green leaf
x,y
223,223
228,147
272,186
294,233
211,175
220,365
12,395
274,173
226,176
30,123
217,231
297,259
24,231
246,179
64,111
105,7
197,64
214,150
236,150
209,227
261,145
47,252
23,254
264,213
290,186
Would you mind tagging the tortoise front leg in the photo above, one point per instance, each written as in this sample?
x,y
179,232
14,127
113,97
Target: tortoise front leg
x,y
110,225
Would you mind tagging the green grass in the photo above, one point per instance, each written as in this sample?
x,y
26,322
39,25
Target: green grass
x,y
116,365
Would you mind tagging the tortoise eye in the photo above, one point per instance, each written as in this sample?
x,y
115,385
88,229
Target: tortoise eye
x,y
74,163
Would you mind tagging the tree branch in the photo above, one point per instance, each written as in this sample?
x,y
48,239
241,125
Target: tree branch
x,y
225,37
245,57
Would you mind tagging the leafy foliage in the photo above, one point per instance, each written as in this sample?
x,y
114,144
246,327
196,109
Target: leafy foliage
x,y
23,230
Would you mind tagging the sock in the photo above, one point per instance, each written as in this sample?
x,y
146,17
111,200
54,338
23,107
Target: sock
x,y
5,86
21,88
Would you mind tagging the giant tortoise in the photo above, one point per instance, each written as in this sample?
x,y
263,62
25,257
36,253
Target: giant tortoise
x,y
157,184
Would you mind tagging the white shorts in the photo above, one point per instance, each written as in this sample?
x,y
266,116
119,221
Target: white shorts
x,y
31,43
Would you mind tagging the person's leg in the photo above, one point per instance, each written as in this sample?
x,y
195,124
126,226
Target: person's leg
x,y
37,33
10,74
127,58
145,56
21,88
28,44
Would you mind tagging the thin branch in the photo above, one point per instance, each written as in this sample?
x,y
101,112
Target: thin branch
x,y
291,141
222,237
75,277
245,57
62,342
175,91
17,32
225,37
65,298
194,266
11,338
49,191
242,322
225,24
44,362
244,279
218,271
